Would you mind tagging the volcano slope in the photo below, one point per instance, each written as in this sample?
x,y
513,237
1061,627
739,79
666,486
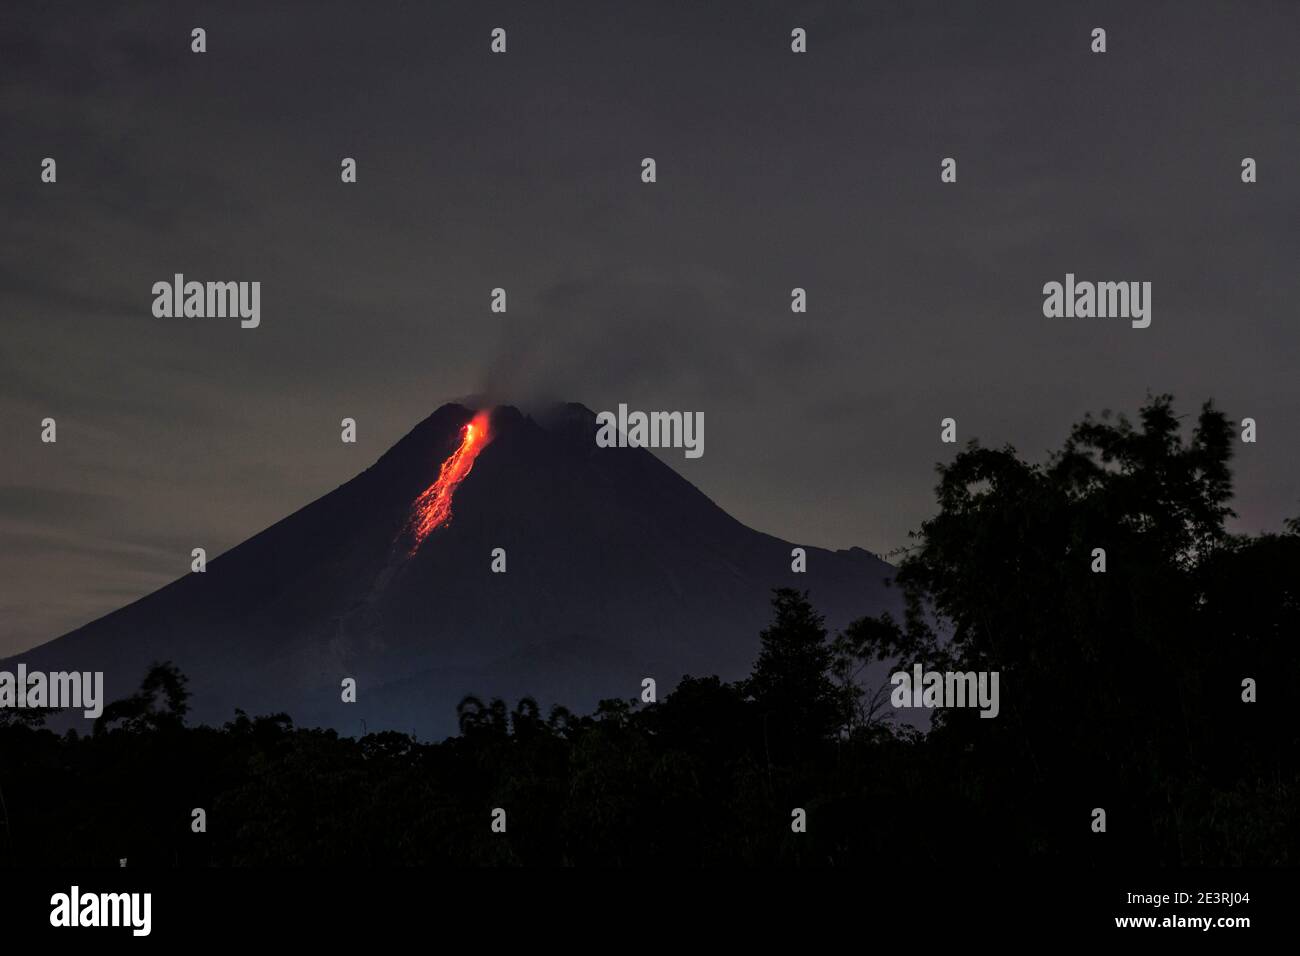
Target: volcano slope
x,y
617,569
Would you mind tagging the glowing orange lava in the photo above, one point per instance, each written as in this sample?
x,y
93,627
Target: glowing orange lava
x,y
432,509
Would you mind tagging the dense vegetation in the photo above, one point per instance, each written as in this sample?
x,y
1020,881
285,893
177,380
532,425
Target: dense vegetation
x,y
1120,690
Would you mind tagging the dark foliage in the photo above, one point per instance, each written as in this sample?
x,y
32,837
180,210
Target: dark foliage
x,y
1120,690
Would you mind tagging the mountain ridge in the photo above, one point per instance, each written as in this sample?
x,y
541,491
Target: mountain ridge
x,y
618,568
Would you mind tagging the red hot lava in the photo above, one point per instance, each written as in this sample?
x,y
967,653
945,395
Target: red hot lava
x,y
432,509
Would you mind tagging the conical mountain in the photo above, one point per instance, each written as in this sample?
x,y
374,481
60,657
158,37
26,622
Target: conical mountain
x,y
617,569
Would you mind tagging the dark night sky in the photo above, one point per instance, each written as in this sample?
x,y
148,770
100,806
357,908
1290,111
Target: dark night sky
x,y
522,171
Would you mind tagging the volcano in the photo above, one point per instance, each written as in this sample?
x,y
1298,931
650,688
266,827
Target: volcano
x,y
617,569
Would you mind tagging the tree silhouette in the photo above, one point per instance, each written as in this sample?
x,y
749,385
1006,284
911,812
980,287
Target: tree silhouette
x,y
1121,689
1110,679
160,704
790,683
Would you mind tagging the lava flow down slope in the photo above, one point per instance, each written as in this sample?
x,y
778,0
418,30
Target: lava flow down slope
x,y
617,569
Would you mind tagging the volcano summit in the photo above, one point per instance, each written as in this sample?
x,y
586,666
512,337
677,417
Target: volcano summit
x,y
619,569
